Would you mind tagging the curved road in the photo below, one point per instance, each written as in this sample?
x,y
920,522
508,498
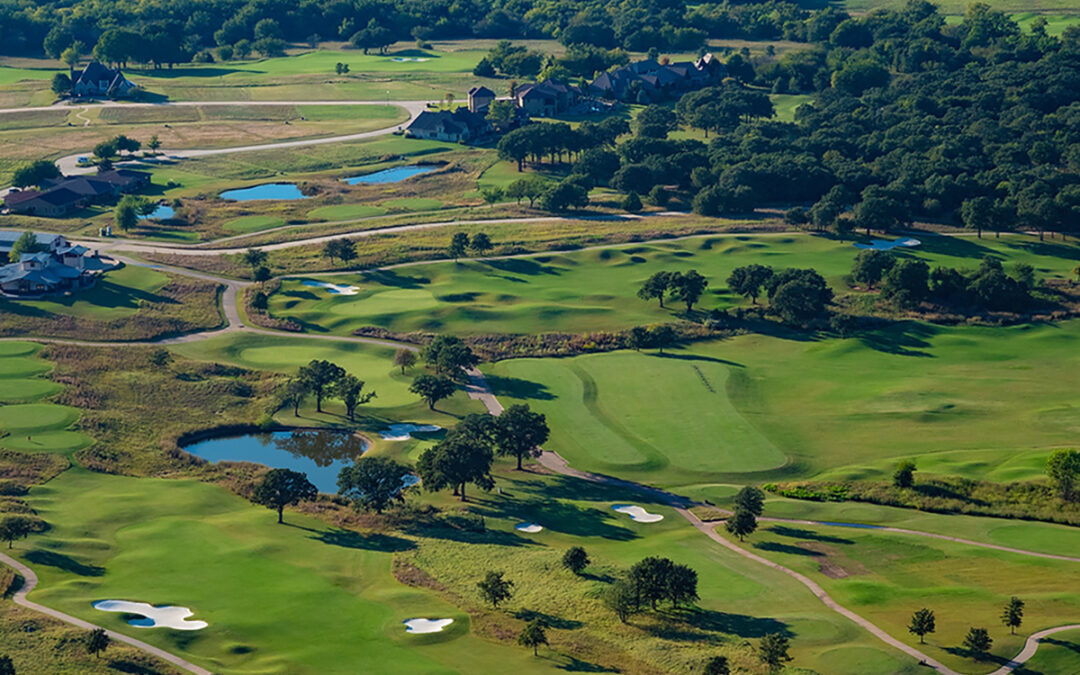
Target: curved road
x,y
30,581
479,389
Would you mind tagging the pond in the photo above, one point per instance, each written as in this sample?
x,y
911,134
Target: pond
x,y
397,174
320,454
283,191
162,212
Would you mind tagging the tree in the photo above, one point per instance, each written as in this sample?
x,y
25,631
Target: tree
x,y
405,358
717,665
907,283
682,585
458,459
346,250
350,389
798,295
126,215
575,559
261,275
904,474
125,144
96,641
6,666
293,393
651,578
484,68
160,358
1063,469
319,375
741,523
529,187
565,195
520,432
688,287
978,214
15,527
870,266
492,195
1013,614
631,203
773,651
105,149
661,336
433,388
254,257
637,338
34,173
748,280
978,642
449,355
501,114
61,84
655,287
655,121
621,598
922,622
26,243
458,243
283,487
481,243
533,635
751,499
373,483
494,588
154,143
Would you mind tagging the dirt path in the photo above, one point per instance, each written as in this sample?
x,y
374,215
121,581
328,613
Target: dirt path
x,y
30,581
82,116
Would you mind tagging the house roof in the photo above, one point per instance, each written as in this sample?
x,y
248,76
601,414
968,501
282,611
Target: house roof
x,y
9,237
122,176
74,250
95,72
450,122
43,258
481,91
83,185
19,197
60,196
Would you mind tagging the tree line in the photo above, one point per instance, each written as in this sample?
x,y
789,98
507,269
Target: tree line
x,y
977,642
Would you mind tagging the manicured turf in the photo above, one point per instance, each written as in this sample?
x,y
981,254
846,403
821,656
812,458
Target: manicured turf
x,y
345,212
413,204
245,224
302,598
117,294
596,289
886,576
24,417
9,75
785,105
14,390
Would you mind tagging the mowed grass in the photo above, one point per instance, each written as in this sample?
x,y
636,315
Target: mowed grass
x,y
116,295
958,7
302,598
887,576
27,422
345,212
596,289
245,224
785,105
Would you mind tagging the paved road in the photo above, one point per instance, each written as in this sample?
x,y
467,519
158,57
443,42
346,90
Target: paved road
x,y
69,165
30,581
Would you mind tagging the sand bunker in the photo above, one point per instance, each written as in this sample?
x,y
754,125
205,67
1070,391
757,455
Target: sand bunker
x,y
409,59
637,513
333,289
403,432
531,528
166,616
426,625
887,245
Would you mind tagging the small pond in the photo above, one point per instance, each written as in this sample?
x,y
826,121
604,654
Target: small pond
x,y
284,191
398,173
162,212
319,454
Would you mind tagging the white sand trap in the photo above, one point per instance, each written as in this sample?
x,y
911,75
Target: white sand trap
x,y
426,625
166,616
403,432
887,244
531,528
409,59
333,289
637,513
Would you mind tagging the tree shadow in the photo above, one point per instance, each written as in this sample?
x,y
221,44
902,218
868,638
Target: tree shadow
x,y
776,547
516,387
613,490
576,665
125,666
64,562
1071,646
392,278
698,357
967,654
549,620
522,266
800,533
559,516
903,338
742,625
373,541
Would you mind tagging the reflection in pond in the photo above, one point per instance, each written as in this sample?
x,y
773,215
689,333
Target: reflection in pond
x,y
320,454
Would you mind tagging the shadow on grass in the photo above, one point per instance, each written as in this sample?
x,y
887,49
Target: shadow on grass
x,y
559,516
392,278
549,620
743,625
373,541
577,489
967,654
776,547
125,666
699,357
1071,646
800,533
516,387
522,266
576,665
64,562
904,338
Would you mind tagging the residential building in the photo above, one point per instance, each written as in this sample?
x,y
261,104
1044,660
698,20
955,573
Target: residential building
x,y
480,98
61,196
547,98
460,126
647,81
59,268
101,81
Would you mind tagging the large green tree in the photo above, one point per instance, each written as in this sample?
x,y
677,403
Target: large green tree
x,y
922,623
373,483
432,388
454,462
519,432
283,487
320,375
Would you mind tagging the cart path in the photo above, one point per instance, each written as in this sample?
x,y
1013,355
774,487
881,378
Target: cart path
x,y
479,389
30,581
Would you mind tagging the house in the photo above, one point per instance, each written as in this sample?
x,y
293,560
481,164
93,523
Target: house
x,y
64,195
648,80
99,80
460,126
547,98
480,98
60,267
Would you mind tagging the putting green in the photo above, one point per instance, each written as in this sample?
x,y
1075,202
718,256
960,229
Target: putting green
x,y
413,204
246,224
14,390
18,348
58,440
345,212
22,366
21,418
630,414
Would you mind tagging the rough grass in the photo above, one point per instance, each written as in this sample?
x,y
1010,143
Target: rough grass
x,y
139,306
